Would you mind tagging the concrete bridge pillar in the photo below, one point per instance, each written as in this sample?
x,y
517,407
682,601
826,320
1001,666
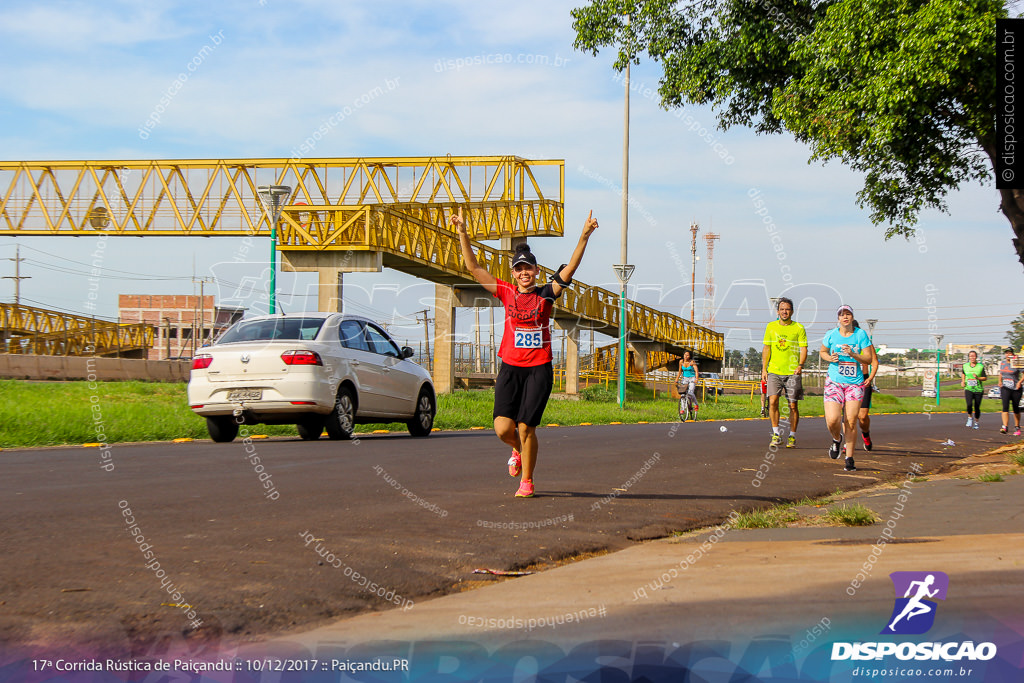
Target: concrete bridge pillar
x,y
572,355
330,267
446,299
445,303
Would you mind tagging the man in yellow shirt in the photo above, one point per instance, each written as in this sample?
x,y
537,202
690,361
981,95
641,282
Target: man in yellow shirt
x,y
782,365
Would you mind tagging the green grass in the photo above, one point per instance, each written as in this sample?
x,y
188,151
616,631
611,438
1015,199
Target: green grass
x,y
769,518
57,413
851,515
990,476
1017,459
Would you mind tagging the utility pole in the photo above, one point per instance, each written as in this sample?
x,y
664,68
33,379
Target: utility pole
x,y
17,277
493,355
476,351
202,308
167,323
426,336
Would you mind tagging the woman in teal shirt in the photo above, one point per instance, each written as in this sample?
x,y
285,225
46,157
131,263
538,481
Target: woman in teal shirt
x,y
973,375
688,374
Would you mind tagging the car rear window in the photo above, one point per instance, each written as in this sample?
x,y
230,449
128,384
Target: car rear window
x,y
276,328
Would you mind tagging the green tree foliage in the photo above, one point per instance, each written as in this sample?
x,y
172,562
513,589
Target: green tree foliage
x,y
902,91
1015,335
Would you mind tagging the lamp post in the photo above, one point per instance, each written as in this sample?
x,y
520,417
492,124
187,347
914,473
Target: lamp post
x,y
871,329
272,197
622,270
938,368
623,273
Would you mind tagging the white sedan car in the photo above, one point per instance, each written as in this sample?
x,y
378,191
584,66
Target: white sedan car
x,y
318,371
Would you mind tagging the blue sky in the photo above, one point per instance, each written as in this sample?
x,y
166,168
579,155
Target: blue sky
x,y
81,79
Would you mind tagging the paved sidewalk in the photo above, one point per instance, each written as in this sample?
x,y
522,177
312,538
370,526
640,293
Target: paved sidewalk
x,y
736,584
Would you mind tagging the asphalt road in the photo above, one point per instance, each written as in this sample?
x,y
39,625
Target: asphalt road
x,y
395,519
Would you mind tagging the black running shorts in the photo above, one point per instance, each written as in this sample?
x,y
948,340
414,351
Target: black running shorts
x,y
1011,399
521,394
865,403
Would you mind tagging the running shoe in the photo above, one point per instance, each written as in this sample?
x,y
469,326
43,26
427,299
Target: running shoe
x,y
1002,430
515,464
1016,432
976,424
833,450
970,422
849,465
867,441
525,489
776,440
791,442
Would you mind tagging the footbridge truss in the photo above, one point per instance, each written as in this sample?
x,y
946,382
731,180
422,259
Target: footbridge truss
x,y
391,212
39,331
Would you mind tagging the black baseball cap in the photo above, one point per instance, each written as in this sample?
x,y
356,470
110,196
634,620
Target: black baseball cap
x,y
524,257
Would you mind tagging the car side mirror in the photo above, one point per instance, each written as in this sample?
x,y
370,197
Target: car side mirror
x,y
407,352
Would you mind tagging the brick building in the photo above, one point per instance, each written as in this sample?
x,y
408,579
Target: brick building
x,y
183,323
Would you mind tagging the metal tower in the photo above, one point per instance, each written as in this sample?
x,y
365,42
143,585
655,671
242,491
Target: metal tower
x,y
709,281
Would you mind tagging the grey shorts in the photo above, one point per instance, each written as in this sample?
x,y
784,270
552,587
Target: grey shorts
x,y
792,385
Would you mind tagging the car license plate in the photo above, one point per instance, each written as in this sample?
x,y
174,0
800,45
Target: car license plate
x,y
245,395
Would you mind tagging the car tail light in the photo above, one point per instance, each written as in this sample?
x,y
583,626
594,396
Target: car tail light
x,y
303,403
202,361
301,358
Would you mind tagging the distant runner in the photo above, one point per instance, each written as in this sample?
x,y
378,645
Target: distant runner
x,y
972,377
863,418
1010,389
782,364
844,348
524,382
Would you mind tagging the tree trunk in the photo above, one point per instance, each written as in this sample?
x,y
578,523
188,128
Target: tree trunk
x,y
1012,206
1011,201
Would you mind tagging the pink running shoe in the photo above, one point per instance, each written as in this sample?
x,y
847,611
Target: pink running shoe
x,y
1016,432
515,464
525,489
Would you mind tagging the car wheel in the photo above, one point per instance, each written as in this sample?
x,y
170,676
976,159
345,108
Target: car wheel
x,y
342,420
422,422
222,428
311,429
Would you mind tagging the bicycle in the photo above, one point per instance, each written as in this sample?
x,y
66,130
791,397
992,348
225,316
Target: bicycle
x,y
687,404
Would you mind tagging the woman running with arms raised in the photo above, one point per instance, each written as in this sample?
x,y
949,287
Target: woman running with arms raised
x,y
524,382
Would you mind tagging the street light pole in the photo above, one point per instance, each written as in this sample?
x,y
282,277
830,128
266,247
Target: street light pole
x,y
871,329
272,197
938,368
624,271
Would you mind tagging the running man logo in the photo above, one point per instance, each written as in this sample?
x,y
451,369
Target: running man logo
x,y
914,613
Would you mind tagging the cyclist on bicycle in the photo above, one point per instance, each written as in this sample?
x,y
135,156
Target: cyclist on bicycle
x,y
689,375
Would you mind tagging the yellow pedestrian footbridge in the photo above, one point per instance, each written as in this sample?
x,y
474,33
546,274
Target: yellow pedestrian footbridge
x,y
39,331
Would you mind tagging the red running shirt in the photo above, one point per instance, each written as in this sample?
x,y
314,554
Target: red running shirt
x,y
526,341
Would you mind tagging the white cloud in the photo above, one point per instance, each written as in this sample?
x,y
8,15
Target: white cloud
x,y
81,27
